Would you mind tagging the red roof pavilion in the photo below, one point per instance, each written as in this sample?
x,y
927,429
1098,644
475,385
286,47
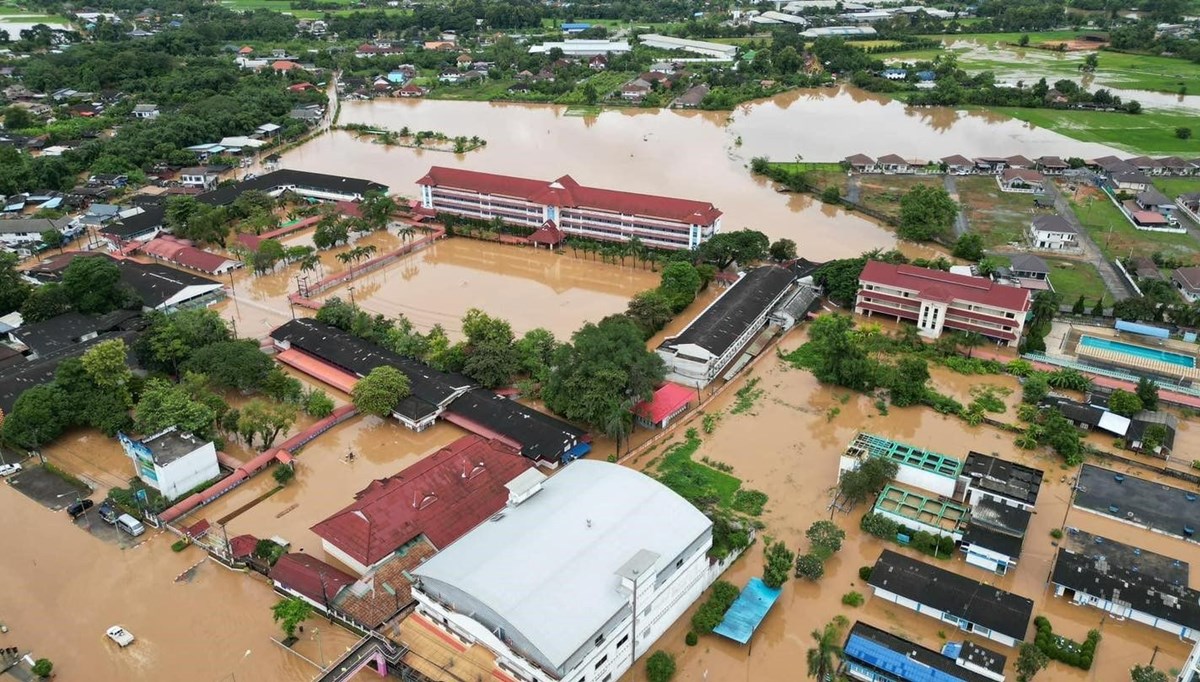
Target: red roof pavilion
x,y
667,400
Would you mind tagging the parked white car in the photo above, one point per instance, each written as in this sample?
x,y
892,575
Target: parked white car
x,y
7,470
120,635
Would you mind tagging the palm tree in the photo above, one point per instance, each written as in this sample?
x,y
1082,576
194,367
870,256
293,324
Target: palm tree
x,y
971,341
821,663
404,231
619,424
310,262
637,249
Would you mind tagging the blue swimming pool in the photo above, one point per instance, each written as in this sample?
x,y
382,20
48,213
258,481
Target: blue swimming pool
x,y
1142,352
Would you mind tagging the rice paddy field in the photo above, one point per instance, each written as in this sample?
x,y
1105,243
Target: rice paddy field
x,y
1151,132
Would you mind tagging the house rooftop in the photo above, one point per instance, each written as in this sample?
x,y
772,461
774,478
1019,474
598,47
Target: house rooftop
x,y
1053,223
1159,566
1161,507
440,497
170,445
1098,574
288,178
666,400
956,595
163,286
1027,262
982,657
1002,477
903,659
724,321
1001,517
1153,197
536,435
1002,543
311,577
945,286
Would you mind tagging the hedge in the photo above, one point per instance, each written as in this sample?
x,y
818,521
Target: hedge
x,y
1063,649
712,612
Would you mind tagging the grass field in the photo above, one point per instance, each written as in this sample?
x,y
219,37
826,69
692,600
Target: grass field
x,y
1152,132
864,44
763,39
1118,238
482,92
1072,278
882,192
998,217
997,38
1173,187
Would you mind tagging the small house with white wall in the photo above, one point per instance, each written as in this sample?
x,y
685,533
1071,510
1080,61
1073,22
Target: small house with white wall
x,y
171,461
1053,233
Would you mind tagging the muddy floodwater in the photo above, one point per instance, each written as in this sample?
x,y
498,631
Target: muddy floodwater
x,y
788,447
693,154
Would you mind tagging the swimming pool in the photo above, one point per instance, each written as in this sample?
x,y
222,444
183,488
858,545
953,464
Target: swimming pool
x,y
1142,352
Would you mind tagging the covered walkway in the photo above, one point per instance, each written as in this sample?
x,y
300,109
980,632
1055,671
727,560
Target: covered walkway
x,y
318,369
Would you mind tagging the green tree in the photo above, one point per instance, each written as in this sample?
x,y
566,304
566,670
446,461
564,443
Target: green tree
x,y
45,302
1098,309
170,339
1124,403
743,246
1147,673
93,285
831,195
107,365
969,247
1023,41
822,658
54,239
13,287
239,365
650,310
907,385
1147,392
1078,308
777,564
289,613
680,283
490,356
826,536
535,351
163,404
1034,388
317,403
926,213
266,420
330,232
377,209
1030,661
16,118
1183,133
839,359
783,250
810,566
863,482
270,252
604,366
590,96
42,668
660,667
39,415
380,391
283,474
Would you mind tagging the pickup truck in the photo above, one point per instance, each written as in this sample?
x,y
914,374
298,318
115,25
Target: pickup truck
x,y
119,635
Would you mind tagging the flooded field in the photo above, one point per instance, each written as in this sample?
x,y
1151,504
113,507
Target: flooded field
x,y
699,155
796,465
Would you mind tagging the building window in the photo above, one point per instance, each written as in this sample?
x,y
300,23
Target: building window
x,y
678,563
622,642
607,677
600,640
601,662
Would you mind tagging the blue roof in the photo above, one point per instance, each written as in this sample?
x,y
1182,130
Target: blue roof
x,y
898,72
926,75
1142,329
748,611
894,662
575,27
53,203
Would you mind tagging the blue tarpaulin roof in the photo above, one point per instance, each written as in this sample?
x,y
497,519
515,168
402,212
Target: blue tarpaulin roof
x,y
894,662
577,452
1143,329
748,611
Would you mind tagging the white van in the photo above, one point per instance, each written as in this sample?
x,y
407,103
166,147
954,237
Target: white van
x,y
130,525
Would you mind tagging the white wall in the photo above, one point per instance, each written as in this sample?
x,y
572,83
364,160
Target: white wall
x,y
189,471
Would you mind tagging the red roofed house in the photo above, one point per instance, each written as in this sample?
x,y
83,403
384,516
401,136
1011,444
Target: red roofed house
x,y
283,66
938,300
436,500
185,255
660,222
669,401
411,89
242,546
313,580
246,50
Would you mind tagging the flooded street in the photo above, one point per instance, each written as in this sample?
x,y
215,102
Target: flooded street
x,y
690,154
796,465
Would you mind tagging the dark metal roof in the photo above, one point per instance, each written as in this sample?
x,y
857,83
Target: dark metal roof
x,y
1002,477
902,659
156,283
723,322
1098,575
64,330
430,389
541,436
288,178
1003,543
1001,517
982,657
1137,500
150,219
15,379
957,595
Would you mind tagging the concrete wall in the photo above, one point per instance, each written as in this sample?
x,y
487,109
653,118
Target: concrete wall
x,y
187,472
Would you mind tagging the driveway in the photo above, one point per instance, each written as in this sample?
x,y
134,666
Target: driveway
x,y
960,220
1117,285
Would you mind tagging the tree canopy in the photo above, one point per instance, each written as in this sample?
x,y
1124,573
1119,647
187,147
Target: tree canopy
x,y
380,391
926,213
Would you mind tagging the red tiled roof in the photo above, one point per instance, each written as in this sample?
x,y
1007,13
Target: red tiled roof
x,y
959,287
310,577
242,545
548,233
566,192
183,253
163,247
1030,176
442,496
667,399
198,530
284,65
1149,218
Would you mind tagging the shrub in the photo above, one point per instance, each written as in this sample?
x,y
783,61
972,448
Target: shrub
x,y
691,638
283,474
852,599
179,545
318,404
880,526
660,667
42,667
864,572
1056,533
1063,649
710,613
810,566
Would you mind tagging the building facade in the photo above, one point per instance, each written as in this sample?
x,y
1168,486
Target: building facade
x,y
1053,233
589,212
172,462
627,554
937,301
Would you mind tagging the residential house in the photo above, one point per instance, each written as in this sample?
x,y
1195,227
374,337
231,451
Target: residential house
x,y
201,177
171,461
1173,165
146,111
635,90
970,605
861,163
1190,205
937,301
1051,165
598,62
1021,180
267,130
957,164
692,97
1028,266
989,164
311,114
451,77
17,232
893,163
1018,162
1153,200
1129,181
668,402
1187,281
1146,165
464,61
411,89
895,74
1142,267
284,66
1053,233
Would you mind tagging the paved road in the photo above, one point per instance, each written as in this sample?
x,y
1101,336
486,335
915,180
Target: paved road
x,y
960,220
1117,286
852,188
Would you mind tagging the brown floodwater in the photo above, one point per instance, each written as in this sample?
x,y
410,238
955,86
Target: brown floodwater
x,y
788,446
63,588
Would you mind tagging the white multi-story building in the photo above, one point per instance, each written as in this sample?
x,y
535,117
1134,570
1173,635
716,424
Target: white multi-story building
x,y
589,212
1053,233
575,579
172,462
